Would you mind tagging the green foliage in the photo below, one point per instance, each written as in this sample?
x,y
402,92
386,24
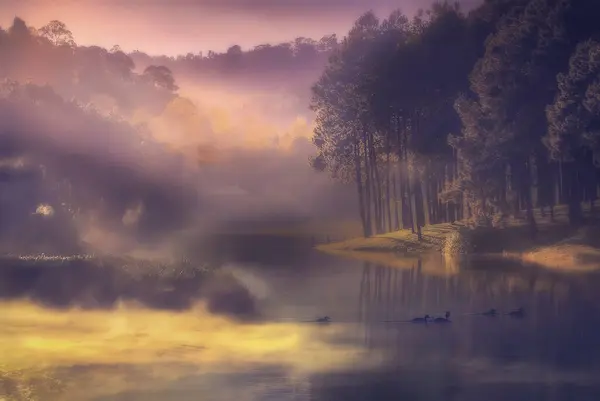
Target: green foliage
x,y
458,242
574,117
338,103
81,72
161,77
57,33
91,180
452,109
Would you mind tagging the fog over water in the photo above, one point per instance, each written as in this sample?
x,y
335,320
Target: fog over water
x,y
132,344
160,204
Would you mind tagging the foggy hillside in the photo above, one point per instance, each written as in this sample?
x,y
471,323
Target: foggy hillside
x,y
95,142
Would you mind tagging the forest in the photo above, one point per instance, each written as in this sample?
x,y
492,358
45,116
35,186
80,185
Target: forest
x,y
450,115
95,141
67,155
262,60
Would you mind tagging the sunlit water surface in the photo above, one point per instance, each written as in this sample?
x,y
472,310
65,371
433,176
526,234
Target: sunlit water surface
x,y
136,351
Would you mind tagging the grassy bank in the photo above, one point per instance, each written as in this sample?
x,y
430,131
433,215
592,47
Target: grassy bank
x,y
557,244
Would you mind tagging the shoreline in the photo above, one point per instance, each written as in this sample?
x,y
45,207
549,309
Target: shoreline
x,y
557,246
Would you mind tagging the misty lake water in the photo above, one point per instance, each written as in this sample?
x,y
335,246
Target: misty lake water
x,y
144,353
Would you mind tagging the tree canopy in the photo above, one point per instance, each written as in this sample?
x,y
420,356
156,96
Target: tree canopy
x,y
452,115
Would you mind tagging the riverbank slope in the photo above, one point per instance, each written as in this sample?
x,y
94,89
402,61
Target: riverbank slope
x,y
557,244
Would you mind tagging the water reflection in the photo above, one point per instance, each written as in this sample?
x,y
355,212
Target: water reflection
x,y
553,353
103,283
100,354
154,354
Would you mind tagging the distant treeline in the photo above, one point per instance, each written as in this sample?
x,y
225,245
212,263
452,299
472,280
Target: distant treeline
x,y
452,115
73,160
262,61
78,139
50,56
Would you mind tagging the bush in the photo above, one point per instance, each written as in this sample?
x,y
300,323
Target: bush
x,y
459,242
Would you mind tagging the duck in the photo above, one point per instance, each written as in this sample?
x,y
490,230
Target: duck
x,y
490,313
445,319
324,319
520,312
424,319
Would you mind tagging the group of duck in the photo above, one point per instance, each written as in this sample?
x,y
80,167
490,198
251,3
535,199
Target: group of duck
x,y
516,313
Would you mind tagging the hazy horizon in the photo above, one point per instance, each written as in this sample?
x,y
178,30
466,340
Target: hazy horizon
x,y
299,200
193,26
206,151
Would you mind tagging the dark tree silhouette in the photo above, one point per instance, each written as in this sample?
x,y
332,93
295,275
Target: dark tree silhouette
x,y
57,33
161,77
444,116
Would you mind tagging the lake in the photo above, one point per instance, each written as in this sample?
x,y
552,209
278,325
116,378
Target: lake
x,y
70,336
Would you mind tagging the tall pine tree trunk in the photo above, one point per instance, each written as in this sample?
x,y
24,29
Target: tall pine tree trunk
x,y
388,184
367,183
360,192
526,188
574,195
397,202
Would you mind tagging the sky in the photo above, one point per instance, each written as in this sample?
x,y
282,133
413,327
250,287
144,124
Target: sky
x,y
174,27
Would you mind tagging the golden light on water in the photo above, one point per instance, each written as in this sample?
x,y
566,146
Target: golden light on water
x,y
35,339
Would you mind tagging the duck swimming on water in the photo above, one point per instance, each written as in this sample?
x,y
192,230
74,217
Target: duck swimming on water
x,y
490,313
445,319
423,319
324,319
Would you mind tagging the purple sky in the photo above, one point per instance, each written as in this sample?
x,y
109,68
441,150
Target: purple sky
x,y
181,26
